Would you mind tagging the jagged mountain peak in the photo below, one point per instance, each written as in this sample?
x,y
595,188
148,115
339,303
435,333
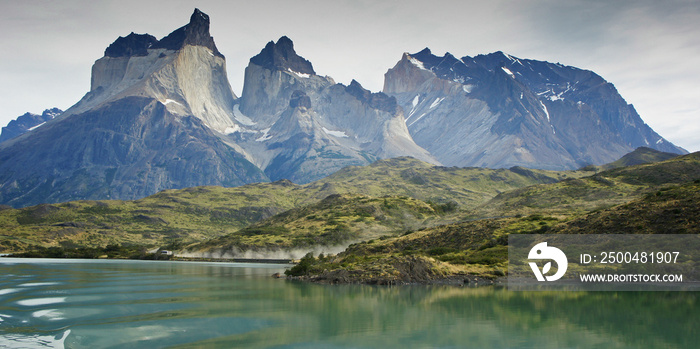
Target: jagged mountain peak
x,y
377,100
184,71
498,110
281,56
424,52
27,122
447,66
195,33
433,61
499,55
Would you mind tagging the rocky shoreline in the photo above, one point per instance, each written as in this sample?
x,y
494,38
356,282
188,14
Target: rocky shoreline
x,y
454,280
389,270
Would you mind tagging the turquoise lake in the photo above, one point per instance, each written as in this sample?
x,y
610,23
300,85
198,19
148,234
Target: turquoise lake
x,y
142,304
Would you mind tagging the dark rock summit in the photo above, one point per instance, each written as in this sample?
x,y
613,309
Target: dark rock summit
x,y
195,33
281,56
131,45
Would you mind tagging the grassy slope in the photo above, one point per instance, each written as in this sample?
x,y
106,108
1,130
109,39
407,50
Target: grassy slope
x,y
661,198
179,217
257,215
671,210
336,220
639,156
476,248
468,187
602,190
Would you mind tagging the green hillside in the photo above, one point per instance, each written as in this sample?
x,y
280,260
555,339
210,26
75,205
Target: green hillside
x,y
639,156
468,187
477,250
379,202
335,221
661,198
171,217
176,218
601,190
672,210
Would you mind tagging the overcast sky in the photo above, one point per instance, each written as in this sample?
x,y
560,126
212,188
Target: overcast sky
x,y
649,49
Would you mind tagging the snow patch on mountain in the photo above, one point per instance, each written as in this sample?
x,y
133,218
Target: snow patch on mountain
x,y
232,129
298,74
242,118
415,101
544,108
35,127
418,119
417,63
436,102
339,134
265,136
508,72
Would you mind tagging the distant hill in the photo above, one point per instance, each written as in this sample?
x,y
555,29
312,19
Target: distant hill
x,y
329,226
639,156
601,190
27,122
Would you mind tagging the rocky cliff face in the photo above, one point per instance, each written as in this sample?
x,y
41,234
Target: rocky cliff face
x,y
129,148
155,118
302,126
27,122
160,114
501,111
184,71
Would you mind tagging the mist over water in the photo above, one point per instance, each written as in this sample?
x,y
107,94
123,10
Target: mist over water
x,y
137,304
262,253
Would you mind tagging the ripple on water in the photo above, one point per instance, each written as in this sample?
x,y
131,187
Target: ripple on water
x,y
31,302
38,284
12,340
8,291
49,314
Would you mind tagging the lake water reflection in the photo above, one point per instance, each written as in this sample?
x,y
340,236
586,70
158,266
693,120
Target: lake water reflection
x,y
138,304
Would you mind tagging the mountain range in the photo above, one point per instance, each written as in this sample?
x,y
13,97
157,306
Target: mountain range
x,y
160,114
497,110
27,122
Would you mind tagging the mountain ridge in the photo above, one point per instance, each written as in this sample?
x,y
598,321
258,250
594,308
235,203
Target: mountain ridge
x,y
304,127
149,122
491,110
502,111
27,122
